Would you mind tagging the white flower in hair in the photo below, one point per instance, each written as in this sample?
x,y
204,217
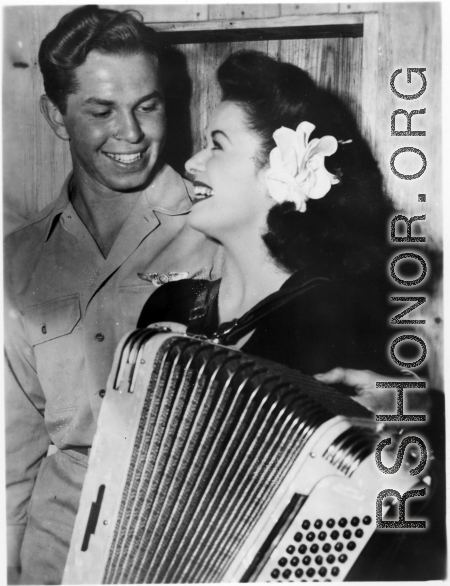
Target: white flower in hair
x,y
297,167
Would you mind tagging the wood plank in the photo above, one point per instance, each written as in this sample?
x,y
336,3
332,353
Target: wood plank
x,y
35,162
242,11
165,12
282,21
317,8
346,8
369,80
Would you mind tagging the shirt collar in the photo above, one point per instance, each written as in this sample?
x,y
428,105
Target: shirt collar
x,y
168,193
59,206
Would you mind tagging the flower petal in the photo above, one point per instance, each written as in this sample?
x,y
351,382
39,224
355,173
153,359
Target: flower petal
x,y
304,129
297,167
286,140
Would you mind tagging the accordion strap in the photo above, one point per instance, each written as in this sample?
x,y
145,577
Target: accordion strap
x,y
230,332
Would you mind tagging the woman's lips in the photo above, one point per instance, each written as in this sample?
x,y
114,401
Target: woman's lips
x,y
202,191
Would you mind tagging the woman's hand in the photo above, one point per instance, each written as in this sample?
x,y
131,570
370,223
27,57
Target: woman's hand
x,y
380,401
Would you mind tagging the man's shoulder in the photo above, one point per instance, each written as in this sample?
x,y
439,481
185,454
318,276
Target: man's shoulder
x,y
23,245
35,225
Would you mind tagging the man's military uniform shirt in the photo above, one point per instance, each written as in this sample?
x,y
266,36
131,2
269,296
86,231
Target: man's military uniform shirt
x,y
67,307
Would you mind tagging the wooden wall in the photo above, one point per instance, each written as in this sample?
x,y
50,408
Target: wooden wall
x,y
403,35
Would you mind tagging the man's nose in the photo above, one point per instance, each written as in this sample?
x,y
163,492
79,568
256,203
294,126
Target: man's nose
x,y
196,164
128,129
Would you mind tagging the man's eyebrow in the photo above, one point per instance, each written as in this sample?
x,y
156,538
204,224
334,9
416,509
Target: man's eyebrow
x,y
101,102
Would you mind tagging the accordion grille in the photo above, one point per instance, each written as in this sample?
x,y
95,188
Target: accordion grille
x,y
217,435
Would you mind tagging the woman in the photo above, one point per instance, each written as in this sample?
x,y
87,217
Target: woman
x,y
288,186
297,236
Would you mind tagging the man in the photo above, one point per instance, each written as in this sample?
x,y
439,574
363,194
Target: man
x,y
78,273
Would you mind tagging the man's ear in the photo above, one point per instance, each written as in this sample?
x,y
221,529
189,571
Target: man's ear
x,y
54,117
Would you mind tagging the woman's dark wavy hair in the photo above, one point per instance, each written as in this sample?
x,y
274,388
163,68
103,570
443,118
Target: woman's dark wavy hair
x,y
344,234
81,31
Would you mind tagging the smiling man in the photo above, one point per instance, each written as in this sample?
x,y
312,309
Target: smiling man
x,y
78,273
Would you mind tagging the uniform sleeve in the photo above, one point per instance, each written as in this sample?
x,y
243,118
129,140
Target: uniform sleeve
x,y
27,439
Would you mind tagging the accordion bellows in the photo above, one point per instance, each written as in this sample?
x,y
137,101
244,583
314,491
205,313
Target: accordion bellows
x,y
211,465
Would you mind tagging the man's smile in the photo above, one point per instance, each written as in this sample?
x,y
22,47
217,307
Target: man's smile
x,y
126,158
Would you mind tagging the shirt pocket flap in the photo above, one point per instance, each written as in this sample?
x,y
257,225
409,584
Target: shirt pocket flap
x,y
52,319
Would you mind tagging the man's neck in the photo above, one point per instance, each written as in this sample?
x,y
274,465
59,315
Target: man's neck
x,y
103,214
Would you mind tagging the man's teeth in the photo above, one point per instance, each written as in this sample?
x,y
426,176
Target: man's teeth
x,y
203,192
125,158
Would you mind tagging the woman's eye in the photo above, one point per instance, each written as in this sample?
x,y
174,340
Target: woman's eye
x,y
216,146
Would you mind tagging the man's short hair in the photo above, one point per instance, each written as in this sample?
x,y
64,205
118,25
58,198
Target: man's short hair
x,y
81,31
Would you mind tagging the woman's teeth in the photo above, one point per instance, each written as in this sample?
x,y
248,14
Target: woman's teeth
x,y
202,192
127,159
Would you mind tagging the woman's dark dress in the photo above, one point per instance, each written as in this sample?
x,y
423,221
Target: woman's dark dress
x,y
325,326
319,329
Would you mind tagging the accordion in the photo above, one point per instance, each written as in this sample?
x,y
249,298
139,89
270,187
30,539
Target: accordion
x,y
210,465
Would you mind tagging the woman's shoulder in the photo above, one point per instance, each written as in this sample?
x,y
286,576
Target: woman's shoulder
x,y
173,301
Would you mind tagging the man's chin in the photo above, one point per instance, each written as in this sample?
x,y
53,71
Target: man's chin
x,y
132,182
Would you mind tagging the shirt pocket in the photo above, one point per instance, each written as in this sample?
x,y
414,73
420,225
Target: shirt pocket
x,y
132,300
54,330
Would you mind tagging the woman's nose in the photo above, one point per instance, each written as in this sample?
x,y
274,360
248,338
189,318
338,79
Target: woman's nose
x,y
129,129
196,164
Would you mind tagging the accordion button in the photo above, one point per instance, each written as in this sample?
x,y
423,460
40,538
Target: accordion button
x,y
306,525
298,536
322,572
322,536
298,573
335,571
342,522
367,520
282,562
319,560
351,545
355,521
359,533
286,574
342,558
339,546
306,560
275,573
294,561
347,534
331,558
326,548
314,548
102,393
334,534
310,536
302,548
331,523
99,337
310,573
290,549
318,524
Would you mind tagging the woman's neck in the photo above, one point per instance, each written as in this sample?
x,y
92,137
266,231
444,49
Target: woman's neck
x,y
249,275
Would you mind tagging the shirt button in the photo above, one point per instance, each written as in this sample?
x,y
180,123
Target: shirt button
x,y
44,330
102,393
99,337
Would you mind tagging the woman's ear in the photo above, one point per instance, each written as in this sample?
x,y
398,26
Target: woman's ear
x,y
54,117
